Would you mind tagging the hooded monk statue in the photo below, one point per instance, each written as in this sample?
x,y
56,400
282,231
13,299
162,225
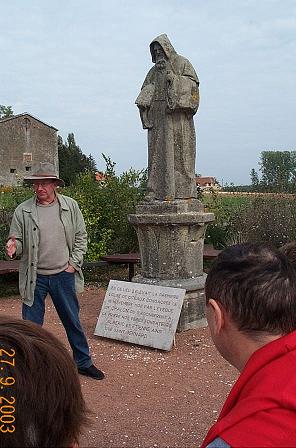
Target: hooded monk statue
x,y
168,100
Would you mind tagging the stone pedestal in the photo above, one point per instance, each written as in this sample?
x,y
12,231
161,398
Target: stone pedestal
x,y
171,239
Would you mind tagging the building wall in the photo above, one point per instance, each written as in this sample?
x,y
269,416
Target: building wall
x,y
25,141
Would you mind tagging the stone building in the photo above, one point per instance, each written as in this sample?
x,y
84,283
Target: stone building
x,y
24,141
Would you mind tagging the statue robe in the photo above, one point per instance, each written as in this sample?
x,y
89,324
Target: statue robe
x,y
166,108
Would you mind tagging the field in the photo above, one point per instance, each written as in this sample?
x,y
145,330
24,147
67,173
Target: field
x,y
254,217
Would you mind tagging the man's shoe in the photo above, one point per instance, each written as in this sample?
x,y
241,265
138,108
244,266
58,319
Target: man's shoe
x,y
92,372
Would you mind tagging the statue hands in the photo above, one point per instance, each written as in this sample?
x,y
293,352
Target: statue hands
x,y
170,76
171,91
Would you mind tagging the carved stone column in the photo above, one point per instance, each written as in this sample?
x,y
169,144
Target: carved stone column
x,y
171,239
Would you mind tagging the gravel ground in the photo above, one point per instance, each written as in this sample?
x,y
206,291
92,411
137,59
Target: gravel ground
x,y
149,398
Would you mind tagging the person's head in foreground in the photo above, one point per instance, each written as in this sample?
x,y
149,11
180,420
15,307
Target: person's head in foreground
x,y
251,312
41,400
289,249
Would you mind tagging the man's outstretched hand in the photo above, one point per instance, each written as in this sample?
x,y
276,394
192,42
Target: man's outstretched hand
x,y
11,246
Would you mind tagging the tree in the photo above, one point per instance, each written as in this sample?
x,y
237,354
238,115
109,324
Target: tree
x,y
72,161
5,111
278,172
254,180
275,167
92,166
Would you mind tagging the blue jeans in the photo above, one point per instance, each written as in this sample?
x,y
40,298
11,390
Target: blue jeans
x,y
61,288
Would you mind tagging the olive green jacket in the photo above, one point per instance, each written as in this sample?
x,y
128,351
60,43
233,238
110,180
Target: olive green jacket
x,y
24,226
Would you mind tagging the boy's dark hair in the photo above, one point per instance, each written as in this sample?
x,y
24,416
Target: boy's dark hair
x,y
256,285
40,387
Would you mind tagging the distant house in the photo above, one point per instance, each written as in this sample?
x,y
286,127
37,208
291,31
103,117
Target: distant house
x,y
207,182
24,141
100,176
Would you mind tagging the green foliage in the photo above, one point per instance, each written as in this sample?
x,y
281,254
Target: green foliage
x,y
10,197
9,285
5,111
278,172
237,188
269,218
86,192
120,195
72,161
105,206
199,192
254,180
223,206
4,229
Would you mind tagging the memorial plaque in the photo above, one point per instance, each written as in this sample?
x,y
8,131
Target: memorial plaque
x,y
140,314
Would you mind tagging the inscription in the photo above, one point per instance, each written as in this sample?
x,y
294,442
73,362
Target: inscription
x,y
141,314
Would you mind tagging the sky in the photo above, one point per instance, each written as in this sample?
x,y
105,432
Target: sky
x,y
79,66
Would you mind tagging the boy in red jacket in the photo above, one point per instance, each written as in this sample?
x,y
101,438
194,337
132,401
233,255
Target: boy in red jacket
x,y
251,312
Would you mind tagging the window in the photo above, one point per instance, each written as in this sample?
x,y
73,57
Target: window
x,y
28,168
27,157
12,170
27,123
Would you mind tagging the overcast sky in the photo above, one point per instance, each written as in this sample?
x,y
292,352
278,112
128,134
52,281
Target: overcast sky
x,y
78,65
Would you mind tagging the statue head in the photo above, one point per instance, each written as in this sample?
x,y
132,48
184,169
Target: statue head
x,y
162,47
159,54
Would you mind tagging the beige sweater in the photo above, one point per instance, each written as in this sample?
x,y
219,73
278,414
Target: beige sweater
x,y
53,253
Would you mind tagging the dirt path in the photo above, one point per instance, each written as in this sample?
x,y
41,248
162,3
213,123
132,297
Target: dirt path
x,y
149,398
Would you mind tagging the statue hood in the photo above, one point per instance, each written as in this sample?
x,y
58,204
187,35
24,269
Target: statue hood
x,y
165,44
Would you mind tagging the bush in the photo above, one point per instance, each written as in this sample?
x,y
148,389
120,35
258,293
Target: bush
x,y
269,218
10,197
105,206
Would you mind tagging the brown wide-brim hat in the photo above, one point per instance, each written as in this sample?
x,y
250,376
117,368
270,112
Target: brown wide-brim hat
x,y
42,171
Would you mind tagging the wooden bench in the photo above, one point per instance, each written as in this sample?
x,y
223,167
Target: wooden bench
x,y
134,258
210,253
129,259
8,267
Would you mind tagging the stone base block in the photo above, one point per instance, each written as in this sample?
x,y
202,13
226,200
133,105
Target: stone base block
x,y
193,309
168,207
171,241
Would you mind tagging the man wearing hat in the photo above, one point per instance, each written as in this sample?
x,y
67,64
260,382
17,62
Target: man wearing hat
x,y
48,233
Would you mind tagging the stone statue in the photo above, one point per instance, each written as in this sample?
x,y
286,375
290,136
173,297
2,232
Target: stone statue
x,y
167,102
171,223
